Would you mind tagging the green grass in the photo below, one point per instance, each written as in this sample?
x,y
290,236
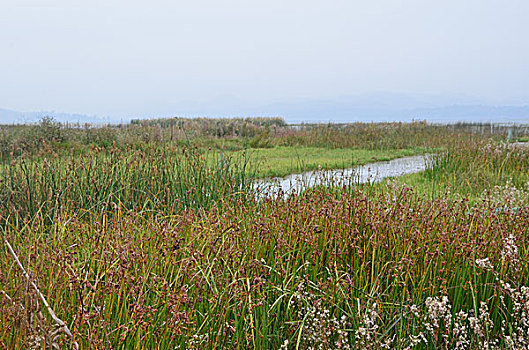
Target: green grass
x,y
159,180
281,161
471,170
50,137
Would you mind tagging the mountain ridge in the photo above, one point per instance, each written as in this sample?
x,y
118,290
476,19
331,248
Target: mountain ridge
x,y
374,108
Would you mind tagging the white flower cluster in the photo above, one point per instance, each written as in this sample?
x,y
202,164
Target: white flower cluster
x,y
464,330
485,264
509,253
366,337
469,330
500,148
438,309
437,327
319,329
508,195
519,339
197,341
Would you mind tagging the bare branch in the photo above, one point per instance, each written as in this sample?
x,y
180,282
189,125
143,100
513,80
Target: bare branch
x,y
57,320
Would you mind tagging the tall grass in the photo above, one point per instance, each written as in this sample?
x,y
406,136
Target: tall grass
x,y
474,168
164,180
49,136
254,274
379,136
160,247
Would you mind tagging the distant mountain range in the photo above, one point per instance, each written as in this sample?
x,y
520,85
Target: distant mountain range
x,y
14,117
399,107
329,112
496,114
369,107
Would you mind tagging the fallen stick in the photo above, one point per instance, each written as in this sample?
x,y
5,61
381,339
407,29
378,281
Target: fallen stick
x,y
57,320
7,297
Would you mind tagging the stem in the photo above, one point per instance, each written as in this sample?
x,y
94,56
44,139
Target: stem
x,y
57,320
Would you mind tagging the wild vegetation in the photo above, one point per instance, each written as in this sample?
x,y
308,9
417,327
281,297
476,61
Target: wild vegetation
x,y
161,242
476,169
234,134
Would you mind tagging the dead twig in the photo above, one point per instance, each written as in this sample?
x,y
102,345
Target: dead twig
x,y
60,323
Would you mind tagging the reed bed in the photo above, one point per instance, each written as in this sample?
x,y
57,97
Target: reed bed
x,y
232,134
319,270
163,180
382,136
481,168
160,247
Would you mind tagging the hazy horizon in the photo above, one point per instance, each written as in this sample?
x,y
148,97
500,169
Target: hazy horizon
x,y
127,59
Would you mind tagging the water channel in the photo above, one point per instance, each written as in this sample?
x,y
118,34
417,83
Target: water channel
x,y
368,173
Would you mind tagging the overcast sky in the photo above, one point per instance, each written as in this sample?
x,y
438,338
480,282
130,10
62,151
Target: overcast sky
x,y
160,57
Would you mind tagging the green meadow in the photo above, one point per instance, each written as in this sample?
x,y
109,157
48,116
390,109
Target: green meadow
x,y
280,161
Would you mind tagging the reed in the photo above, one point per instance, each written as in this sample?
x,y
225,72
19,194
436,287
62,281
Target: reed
x,y
255,274
477,169
167,247
158,179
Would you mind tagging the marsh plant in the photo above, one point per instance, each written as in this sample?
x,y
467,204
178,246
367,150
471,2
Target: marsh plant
x,y
167,248
509,195
322,270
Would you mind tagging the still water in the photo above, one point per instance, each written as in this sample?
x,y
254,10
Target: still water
x,y
368,173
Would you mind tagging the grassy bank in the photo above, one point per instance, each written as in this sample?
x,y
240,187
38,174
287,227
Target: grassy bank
x,y
281,160
475,170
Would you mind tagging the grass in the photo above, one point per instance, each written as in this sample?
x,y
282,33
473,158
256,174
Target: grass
x,y
50,137
281,161
161,180
229,278
474,170
159,246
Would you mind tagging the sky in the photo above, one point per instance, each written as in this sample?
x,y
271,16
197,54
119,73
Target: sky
x,y
125,58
